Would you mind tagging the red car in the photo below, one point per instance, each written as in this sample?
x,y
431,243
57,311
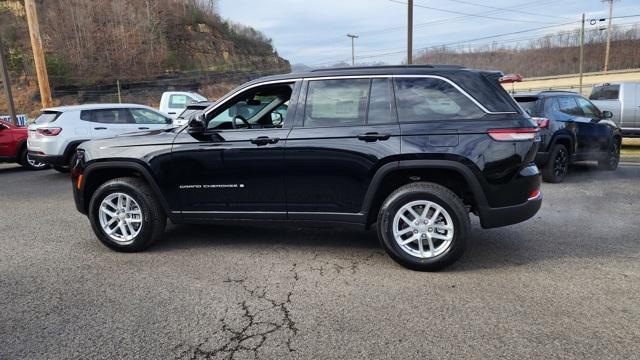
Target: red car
x,y
13,147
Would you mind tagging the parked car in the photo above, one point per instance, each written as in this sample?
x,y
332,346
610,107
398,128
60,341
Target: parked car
x,y
412,149
571,129
191,110
623,101
13,147
173,102
57,132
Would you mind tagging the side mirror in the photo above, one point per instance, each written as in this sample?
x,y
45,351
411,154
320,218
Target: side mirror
x,y
196,124
607,114
276,118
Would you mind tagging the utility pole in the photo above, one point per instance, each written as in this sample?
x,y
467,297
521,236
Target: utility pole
x,y
7,85
38,53
119,96
410,32
606,56
581,52
353,48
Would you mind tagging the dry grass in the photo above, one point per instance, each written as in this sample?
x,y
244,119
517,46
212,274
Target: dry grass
x,y
630,146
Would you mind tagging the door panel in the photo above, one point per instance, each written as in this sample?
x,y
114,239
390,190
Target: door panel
x,y
6,141
229,173
342,136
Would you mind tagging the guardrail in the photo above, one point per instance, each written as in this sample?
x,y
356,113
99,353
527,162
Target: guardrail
x,y
22,119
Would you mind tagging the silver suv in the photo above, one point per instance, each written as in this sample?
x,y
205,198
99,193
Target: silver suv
x,y
57,132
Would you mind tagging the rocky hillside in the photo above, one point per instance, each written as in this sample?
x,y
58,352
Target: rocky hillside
x,y
147,45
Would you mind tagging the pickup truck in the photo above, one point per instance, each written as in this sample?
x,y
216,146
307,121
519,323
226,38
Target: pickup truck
x,y
173,103
623,101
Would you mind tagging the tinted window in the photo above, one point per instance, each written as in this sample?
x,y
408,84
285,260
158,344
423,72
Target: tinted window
x,y
588,109
336,102
432,99
605,92
145,116
569,106
47,117
529,104
551,106
109,116
179,101
380,110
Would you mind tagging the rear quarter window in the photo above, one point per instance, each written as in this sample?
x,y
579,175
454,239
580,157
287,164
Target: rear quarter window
x,y
426,99
529,104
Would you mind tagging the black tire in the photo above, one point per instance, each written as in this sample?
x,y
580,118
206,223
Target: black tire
x,y
153,217
612,159
556,169
24,161
61,169
424,191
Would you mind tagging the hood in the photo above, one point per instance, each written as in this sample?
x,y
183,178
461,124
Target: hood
x,y
136,145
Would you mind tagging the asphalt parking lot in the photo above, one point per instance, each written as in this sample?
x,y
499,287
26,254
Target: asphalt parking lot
x,y
565,284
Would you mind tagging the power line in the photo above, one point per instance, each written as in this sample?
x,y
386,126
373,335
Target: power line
x,y
507,9
467,14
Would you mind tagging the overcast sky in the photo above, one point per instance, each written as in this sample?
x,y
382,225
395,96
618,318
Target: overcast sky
x,y
314,32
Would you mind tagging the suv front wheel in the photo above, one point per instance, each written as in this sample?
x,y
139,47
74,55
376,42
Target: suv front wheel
x,y
556,169
125,215
423,226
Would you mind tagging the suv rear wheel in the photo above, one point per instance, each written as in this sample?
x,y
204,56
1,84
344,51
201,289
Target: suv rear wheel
x,y
29,163
125,215
423,226
556,169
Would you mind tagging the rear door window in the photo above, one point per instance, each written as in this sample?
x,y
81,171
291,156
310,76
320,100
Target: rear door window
x,y
107,116
336,102
427,99
568,105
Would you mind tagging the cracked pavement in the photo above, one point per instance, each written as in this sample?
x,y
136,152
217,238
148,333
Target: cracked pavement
x,y
565,284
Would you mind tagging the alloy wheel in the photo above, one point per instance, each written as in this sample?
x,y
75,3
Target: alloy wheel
x,y
423,229
561,163
35,163
120,217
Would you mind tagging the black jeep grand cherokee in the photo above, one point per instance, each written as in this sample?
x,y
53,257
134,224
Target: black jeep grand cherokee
x,y
412,149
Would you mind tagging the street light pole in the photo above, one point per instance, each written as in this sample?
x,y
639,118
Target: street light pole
x,y
353,48
410,32
606,56
581,53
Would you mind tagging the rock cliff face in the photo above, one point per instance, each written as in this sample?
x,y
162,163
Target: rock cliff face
x,y
147,45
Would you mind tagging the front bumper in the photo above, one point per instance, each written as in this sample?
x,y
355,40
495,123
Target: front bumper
x,y
53,160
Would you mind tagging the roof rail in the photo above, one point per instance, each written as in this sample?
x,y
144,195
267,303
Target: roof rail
x,y
558,91
435,66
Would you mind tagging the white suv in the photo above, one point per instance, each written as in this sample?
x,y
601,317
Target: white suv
x,y
57,132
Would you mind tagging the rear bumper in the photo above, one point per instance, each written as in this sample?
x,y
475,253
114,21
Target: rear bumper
x,y
53,160
528,187
509,215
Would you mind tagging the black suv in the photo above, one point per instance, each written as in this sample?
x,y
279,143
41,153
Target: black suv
x,y
412,149
571,129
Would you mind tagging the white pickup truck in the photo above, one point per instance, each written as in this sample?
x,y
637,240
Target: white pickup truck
x,y
173,103
623,100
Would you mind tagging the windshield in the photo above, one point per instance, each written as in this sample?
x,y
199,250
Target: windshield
x,y
605,92
47,117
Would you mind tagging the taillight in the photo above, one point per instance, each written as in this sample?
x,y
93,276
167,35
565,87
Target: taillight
x,y
543,123
48,131
534,194
513,134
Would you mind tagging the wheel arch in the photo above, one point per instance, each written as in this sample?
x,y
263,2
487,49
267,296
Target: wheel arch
x,y
453,175
97,174
563,139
